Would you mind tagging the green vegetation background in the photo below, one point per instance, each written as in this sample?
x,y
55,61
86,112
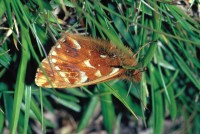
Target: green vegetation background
x,y
169,87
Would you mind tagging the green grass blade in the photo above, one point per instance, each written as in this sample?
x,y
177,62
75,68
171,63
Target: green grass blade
x,y
156,25
27,95
5,59
157,102
122,29
188,72
20,83
88,113
36,111
69,104
172,105
107,108
163,84
2,119
42,112
124,99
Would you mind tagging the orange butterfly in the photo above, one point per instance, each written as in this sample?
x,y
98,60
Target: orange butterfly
x,y
78,61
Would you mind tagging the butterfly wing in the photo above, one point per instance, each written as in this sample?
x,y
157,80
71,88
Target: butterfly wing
x,y
75,62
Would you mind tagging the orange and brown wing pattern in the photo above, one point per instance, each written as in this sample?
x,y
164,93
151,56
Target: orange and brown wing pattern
x,y
79,61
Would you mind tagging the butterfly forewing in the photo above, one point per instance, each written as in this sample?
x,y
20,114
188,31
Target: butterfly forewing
x,y
77,62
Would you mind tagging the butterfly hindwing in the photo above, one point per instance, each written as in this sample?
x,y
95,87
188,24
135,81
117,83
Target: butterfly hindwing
x,y
74,63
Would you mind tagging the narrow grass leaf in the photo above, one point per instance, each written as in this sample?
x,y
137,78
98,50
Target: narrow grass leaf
x,y
188,72
27,100
123,90
163,84
47,104
107,108
36,111
157,103
20,83
5,58
8,11
76,92
117,129
68,104
42,112
144,96
122,99
172,105
3,8
8,105
122,29
88,113
2,119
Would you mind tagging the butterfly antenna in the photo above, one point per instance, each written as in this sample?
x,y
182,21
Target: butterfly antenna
x,y
143,47
140,71
129,89
45,53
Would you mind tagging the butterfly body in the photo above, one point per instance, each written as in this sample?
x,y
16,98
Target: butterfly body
x,y
79,60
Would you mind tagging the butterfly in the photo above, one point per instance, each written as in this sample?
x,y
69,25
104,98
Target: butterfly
x,y
77,60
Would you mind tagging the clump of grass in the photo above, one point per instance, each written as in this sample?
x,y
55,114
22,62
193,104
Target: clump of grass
x,y
169,89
